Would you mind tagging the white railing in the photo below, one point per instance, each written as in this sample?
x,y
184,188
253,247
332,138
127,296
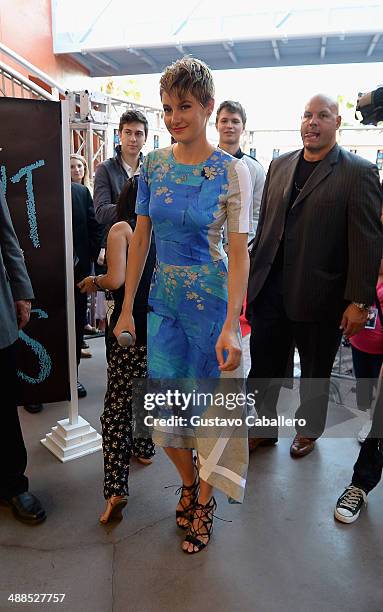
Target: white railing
x,y
153,114
15,85
142,107
33,70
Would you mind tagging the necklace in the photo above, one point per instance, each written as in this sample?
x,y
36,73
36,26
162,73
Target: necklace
x,y
297,186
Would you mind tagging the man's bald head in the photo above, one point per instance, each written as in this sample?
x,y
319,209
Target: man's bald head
x,y
327,100
320,122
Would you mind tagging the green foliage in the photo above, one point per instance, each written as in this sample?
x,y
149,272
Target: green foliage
x,y
122,88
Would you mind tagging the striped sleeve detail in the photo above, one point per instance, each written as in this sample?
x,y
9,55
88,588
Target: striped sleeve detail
x,y
239,197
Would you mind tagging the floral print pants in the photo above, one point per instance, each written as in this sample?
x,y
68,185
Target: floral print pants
x,y
124,365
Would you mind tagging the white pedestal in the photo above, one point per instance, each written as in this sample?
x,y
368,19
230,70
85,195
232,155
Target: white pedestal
x,y
68,442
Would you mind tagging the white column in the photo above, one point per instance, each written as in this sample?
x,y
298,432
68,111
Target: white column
x,y
72,437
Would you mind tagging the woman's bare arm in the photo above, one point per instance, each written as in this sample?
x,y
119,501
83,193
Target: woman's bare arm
x,y
237,284
138,252
119,237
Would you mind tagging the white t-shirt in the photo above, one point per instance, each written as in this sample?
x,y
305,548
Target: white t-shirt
x,y
129,170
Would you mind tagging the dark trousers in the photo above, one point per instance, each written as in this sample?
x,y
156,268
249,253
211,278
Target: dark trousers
x,y
117,420
272,336
80,306
369,465
366,370
13,455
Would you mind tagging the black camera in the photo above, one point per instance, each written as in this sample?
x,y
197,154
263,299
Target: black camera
x,y
370,107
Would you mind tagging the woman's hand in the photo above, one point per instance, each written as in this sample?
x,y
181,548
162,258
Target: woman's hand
x,y
125,323
87,285
228,341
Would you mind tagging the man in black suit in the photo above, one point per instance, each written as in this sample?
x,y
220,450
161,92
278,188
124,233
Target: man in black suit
x,y
15,306
313,267
87,236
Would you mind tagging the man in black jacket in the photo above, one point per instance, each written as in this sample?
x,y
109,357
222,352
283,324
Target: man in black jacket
x,y
112,174
314,264
87,235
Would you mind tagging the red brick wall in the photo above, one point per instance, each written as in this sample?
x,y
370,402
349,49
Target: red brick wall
x,y
26,28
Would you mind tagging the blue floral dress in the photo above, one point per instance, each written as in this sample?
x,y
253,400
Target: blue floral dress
x,y
188,206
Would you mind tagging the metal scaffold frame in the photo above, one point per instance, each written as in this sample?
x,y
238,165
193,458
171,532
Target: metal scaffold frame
x,y
95,117
91,141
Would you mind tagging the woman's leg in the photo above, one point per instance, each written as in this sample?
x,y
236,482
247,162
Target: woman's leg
x,y
182,458
116,422
376,366
205,492
363,375
142,447
202,521
183,461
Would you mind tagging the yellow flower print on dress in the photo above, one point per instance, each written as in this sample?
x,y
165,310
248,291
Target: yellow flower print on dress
x,y
161,170
161,190
210,172
167,192
179,179
192,275
192,295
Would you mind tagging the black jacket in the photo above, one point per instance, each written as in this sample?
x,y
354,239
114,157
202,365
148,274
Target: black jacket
x,y
110,178
332,235
87,233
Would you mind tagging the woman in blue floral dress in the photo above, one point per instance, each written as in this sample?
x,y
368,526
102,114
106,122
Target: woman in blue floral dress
x,y
186,193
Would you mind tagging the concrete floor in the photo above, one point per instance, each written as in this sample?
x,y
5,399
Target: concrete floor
x,y
282,551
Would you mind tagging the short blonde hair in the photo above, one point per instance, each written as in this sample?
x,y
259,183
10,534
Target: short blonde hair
x,y
188,75
86,180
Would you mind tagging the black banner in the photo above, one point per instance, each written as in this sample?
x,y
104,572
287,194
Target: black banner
x,y
31,175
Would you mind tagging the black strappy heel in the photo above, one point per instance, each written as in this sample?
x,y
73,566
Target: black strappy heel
x,y
204,526
188,502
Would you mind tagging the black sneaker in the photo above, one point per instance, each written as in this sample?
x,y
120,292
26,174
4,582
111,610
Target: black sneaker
x,y
349,504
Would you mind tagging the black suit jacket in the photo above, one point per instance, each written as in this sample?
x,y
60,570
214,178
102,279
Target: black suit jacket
x,y
332,236
87,233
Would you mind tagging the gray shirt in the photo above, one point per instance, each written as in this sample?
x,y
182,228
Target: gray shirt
x,y
258,177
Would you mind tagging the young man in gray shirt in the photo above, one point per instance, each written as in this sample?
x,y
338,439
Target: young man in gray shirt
x,y
230,123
